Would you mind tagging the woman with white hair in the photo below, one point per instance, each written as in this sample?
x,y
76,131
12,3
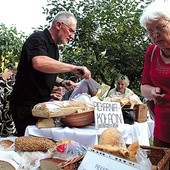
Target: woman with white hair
x,y
121,90
155,84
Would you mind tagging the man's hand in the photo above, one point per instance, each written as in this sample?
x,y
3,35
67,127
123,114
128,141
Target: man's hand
x,y
82,71
69,85
57,93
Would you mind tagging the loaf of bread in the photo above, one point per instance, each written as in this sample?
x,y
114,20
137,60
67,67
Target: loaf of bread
x,y
57,108
126,153
8,164
31,143
50,163
110,136
58,164
46,123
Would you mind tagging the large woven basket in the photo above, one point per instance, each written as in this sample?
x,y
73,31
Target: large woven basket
x,y
159,157
78,120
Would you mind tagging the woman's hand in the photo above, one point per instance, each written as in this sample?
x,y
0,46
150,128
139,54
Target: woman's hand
x,y
157,95
152,93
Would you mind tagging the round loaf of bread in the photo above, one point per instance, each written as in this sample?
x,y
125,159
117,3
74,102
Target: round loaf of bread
x,y
31,143
8,164
110,136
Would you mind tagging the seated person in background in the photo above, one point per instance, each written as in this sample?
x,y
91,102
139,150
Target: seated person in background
x,y
121,90
63,93
126,96
57,93
88,86
69,92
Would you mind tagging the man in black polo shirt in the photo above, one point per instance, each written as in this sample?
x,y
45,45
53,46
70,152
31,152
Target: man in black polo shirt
x,y
39,67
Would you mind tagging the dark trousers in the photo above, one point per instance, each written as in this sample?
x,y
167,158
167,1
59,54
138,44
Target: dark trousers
x,y
22,116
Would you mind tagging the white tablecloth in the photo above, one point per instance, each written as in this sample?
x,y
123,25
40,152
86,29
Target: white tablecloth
x,y
151,125
89,136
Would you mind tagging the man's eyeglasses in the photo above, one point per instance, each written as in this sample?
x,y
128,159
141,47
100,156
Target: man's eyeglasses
x,y
158,29
70,29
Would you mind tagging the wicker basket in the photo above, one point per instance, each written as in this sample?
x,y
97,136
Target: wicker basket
x,y
57,164
140,111
78,120
159,157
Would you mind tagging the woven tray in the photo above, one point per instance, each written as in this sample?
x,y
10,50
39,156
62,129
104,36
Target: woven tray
x,y
57,164
159,157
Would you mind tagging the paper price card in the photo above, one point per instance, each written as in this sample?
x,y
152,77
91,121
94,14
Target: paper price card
x,y
97,160
107,114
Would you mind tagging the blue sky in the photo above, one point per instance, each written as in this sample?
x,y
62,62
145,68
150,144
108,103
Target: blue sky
x,y
24,14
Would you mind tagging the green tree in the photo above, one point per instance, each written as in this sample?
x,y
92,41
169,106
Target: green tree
x,y
109,38
11,42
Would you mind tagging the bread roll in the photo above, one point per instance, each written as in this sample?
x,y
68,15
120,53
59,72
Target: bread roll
x,y
45,123
57,108
6,143
133,149
110,136
31,143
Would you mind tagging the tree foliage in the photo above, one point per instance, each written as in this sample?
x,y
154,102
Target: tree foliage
x,y
109,38
11,42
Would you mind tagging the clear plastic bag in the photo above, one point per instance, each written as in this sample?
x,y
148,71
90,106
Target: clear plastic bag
x,y
143,160
67,150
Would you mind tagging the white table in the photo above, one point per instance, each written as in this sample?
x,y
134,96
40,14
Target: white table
x,y
89,136
151,125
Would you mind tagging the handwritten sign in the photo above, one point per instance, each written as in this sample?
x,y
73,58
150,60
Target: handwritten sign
x,y
107,114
